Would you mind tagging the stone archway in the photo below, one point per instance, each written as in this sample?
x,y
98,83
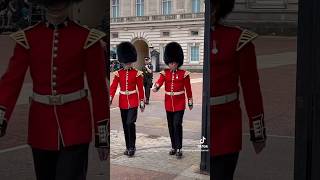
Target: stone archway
x,y
142,51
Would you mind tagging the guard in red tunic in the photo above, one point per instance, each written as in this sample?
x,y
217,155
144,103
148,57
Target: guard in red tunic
x,y
59,54
177,87
233,59
131,93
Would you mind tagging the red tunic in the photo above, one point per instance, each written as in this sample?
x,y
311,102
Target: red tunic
x,y
177,82
131,81
58,61
234,62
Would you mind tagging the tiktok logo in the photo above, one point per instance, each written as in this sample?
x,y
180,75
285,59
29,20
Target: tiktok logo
x,y
202,140
203,146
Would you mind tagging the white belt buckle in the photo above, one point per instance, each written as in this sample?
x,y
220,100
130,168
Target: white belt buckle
x,y
171,93
55,100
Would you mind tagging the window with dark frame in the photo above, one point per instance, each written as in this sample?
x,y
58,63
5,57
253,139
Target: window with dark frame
x,y
114,35
165,33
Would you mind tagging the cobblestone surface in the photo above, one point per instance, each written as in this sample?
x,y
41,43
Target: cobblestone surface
x,y
152,154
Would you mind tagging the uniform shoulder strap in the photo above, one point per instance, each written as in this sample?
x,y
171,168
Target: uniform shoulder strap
x,y
139,73
186,73
245,37
93,37
20,38
116,73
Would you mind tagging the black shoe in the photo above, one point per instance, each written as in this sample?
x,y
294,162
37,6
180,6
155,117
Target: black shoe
x,y
125,152
179,153
131,152
172,152
147,101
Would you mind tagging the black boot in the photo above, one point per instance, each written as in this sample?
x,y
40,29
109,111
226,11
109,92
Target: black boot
x,y
179,154
125,152
172,152
131,152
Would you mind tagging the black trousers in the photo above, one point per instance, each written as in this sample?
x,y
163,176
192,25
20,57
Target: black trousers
x,y
129,118
223,167
147,90
65,164
175,128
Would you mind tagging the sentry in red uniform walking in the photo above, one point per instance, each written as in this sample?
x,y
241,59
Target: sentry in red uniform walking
x,y
177,87
59,54
232,59
131,93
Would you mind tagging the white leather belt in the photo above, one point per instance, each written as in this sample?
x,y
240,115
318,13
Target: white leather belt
x,y
59,99
128,92
174,93
223,99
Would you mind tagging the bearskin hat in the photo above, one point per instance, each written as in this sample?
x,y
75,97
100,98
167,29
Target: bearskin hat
x,y
225,7
52,2
126,52
173,53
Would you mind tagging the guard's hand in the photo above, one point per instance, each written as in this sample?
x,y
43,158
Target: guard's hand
x,y
103,153
259,146
142,106
190,104
154,89
3,128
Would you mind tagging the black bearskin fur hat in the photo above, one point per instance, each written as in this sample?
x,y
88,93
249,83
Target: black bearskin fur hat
x,y
52,2
126,52
224,7
173,53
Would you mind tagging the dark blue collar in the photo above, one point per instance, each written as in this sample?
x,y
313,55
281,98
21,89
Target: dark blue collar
x,y
57,26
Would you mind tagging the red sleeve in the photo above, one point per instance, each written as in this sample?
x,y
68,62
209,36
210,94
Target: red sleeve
x,y
140,87
96,77
114,86
249,79
161,80
12,80
187,86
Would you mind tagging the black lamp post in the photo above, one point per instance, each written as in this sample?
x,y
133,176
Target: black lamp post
x,y
205,156
307,137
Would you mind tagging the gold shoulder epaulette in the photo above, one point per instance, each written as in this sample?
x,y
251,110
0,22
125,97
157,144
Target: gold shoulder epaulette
x,y
116,73
186,73
139,73
20,38
93,37
246,37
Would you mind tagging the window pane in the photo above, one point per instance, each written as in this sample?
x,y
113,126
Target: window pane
x,y
142,10
139,7
166,7
194,53
195,6
115,8
138,10
114,12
